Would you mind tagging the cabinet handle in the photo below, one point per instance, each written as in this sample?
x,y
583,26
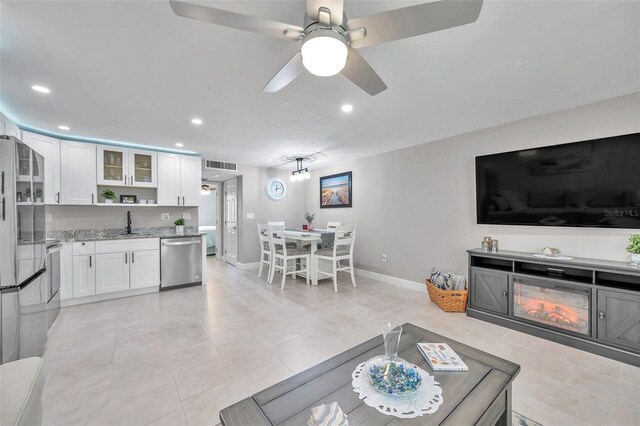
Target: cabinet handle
x,y
4,209
126,255
601,315
183,203
58,197
91,198
2,184
125,179
90,262
133,257
178,200
505,294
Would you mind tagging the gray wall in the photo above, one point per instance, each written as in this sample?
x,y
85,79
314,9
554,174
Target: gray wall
x,y
83,217
417,205
254,200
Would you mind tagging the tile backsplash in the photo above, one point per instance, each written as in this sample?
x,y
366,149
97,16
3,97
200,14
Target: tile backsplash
x,y
87,217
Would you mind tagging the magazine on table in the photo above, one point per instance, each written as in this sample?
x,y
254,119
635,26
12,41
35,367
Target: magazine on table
x,y
442,357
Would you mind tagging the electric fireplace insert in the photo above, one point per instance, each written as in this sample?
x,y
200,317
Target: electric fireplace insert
x,y
553,306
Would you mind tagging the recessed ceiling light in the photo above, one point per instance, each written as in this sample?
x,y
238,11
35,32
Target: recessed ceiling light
x,y
347,108
63,127
40,89
179,144
197,121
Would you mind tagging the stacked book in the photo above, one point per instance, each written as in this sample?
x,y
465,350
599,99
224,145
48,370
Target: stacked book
x,y
441,357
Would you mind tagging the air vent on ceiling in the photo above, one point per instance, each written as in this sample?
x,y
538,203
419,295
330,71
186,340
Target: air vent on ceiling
x,y
220,165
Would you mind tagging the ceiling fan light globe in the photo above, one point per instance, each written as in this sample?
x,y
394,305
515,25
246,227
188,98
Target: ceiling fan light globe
x,y
324,55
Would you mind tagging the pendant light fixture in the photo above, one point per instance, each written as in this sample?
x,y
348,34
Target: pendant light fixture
x,y
300,173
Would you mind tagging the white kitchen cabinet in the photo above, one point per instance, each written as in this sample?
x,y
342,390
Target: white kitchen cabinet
x,y
143,168
126,167
77,173
9,128
168,179
145,268
84,275
50,149
179,180
112,165
190,180
112,272
66,271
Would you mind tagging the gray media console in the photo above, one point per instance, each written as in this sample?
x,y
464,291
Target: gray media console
x,y
589,304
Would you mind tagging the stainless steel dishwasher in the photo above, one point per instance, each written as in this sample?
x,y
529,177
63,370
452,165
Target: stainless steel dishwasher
x,y
180,262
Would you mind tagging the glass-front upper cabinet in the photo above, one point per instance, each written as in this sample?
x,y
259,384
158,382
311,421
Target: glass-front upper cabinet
x,y
143,168
126,167
113,167
24,163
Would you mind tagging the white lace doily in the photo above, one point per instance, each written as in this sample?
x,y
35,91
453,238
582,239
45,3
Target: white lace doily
x,y
426,400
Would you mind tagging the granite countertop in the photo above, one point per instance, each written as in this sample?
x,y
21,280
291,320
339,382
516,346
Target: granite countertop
x,y
104,234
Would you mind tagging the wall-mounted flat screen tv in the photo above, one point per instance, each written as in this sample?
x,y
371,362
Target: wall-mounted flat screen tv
x,y
593,183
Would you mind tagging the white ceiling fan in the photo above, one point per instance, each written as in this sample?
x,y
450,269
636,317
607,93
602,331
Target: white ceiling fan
x,y
329,39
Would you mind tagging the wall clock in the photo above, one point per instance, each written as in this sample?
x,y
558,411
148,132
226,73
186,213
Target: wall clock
x,y
275,189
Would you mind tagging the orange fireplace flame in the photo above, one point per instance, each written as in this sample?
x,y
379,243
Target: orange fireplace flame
x,y
552,312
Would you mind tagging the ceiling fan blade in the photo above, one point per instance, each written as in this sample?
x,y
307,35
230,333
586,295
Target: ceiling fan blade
x,y
289,72
415,20
239,21
361,74
335,6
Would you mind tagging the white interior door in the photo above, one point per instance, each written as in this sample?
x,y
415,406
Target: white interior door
x,y
230,243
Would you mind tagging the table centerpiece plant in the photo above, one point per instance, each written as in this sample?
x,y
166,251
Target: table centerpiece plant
x,y
634,249
309,218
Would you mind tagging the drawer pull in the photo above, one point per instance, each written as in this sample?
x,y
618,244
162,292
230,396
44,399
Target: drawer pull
x,y
601,315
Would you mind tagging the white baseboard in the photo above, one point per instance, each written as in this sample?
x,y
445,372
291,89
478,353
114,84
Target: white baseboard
x,y
252,265
108,296
388,279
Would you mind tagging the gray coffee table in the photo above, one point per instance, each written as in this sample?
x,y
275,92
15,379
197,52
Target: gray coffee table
x,y
480,396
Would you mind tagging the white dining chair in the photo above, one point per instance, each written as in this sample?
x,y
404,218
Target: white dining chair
x,y
282,255
265,249
342,250
282,224
332,225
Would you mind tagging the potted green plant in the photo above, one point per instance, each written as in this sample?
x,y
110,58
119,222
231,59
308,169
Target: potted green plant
x,y
634,249
179,226
38,194
109,196
309,218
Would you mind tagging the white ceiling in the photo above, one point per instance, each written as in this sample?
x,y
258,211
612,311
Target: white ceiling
x,y
133,71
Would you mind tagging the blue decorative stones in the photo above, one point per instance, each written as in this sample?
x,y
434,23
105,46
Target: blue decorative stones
x,y
393,376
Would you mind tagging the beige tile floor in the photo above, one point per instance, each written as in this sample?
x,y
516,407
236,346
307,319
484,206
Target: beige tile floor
x,y
178,357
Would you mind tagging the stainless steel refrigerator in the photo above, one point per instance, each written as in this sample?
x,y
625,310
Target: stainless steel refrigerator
x,y
23,292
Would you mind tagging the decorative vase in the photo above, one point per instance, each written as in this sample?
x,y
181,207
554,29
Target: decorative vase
x,y
310,226
635,259
179,229
107,201
388,373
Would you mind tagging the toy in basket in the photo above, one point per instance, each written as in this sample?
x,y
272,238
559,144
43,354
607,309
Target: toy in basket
x,y
447,290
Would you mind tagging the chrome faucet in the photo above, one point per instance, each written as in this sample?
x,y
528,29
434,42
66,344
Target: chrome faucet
x,y
128,228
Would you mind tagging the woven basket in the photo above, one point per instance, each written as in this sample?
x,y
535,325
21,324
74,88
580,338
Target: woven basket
x,y
448,300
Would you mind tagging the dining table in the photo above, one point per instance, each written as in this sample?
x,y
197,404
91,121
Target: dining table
x,y
315,237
